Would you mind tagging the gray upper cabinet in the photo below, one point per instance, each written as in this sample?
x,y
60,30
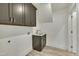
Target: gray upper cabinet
x,y
27,18
18,14
33,15
30,14
4,13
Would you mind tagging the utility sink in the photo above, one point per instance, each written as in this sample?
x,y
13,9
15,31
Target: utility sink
x,y
40,34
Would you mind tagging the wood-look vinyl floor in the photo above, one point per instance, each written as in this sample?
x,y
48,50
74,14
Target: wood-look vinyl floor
x,y
49,51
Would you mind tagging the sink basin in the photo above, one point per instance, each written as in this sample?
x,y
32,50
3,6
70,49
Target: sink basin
x,y
40,34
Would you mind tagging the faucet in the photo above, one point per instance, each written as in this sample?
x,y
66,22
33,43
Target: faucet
x,y
37,31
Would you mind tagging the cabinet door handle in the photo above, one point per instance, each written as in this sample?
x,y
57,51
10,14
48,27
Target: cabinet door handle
x,y
13,20
9,18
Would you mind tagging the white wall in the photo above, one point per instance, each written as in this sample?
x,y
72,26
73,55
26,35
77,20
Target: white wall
x,y
10,31
19,46
21,42
57,30
44,12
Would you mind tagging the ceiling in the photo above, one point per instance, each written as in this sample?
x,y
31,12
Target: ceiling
x,y
39,5
55,6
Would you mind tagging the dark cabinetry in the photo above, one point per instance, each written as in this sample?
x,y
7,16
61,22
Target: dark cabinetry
x,y
38,42
27,14
30,14
18,14
33,15
4,13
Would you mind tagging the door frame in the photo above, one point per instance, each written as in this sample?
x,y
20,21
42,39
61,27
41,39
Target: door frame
x,y
70,29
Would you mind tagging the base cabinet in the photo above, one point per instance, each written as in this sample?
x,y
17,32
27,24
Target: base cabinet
x,y
38,42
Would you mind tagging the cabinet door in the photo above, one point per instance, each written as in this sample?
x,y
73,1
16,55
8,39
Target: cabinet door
x,y
36,42
43,41
4,13
30,14
17,13
27,14
33,15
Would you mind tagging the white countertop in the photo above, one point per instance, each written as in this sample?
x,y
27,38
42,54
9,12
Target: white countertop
x,y
39,34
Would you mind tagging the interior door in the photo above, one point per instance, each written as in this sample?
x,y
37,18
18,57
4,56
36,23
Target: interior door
x,y
17,13
4,13
69,34
72,32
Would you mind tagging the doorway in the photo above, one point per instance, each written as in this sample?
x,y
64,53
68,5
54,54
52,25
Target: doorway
x,y
72,31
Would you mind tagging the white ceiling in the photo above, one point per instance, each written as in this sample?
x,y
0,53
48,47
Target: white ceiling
x,y
55,6
39,5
